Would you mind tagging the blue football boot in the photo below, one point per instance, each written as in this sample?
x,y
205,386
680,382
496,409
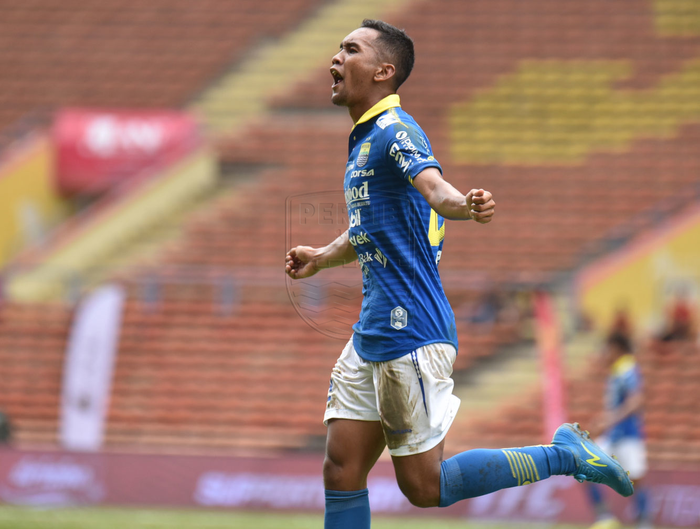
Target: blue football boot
x,y
592,464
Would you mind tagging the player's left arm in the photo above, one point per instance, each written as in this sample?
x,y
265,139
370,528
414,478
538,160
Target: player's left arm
x,y
632,404
449,203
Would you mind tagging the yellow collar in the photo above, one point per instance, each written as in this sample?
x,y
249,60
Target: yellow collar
x,y
623,364
385,104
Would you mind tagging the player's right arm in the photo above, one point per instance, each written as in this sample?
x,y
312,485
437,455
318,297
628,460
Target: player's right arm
x,y
305,261
449,203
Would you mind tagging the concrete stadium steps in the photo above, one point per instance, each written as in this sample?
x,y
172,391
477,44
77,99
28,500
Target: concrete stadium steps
x,y
83,246
145,249
270,70
252,229
514,371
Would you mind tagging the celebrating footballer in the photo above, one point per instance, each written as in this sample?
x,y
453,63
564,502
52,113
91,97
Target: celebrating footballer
x,y
391,385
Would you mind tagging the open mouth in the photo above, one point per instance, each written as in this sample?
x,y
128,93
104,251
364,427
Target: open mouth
x,y
337,78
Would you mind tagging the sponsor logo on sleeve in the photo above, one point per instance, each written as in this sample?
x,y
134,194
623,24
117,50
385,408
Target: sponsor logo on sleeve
x,y
402,161
405,152
386,120
407,144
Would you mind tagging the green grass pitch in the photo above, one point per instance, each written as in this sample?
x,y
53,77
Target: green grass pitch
x,y
110,518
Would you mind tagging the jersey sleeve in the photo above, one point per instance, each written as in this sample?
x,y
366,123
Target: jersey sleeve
x,y
632,381
408,151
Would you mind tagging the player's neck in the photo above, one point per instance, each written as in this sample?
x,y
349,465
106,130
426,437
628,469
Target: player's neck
x,y
359,110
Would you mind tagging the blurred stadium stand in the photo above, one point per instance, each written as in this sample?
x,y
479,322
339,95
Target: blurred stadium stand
x,y
583,118
127,54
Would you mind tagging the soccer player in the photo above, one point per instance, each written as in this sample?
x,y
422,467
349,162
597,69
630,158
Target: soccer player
x,y
623,429
391,385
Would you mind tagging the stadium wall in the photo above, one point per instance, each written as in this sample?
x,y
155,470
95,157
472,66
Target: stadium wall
x,y
29,201
295,483
644,275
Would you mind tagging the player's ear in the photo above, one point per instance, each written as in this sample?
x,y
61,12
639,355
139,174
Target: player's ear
x,y
384,72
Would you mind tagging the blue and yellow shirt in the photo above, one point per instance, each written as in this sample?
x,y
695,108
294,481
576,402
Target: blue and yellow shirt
x,y
625,379
397,236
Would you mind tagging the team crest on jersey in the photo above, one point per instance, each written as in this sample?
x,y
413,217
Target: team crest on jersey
x,y
364,154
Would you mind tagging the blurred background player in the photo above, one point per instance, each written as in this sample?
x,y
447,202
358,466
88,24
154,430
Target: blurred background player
x,y
622,428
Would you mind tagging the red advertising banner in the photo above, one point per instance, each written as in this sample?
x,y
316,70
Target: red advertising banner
x,y
295,483
96,149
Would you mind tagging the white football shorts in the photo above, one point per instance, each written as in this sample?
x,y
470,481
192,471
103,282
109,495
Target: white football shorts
x,y
631,452
411,396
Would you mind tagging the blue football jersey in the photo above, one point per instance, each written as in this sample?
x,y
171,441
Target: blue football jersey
x,y
624,380
398,238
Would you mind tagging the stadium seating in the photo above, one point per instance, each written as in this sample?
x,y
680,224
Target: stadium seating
x,y
127,54
32,341
672,421
192,376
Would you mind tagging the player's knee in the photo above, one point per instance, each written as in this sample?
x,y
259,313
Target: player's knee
x,y
332,473
421,494
338,475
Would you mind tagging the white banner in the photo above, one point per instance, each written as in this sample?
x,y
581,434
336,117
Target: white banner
x,y
87,372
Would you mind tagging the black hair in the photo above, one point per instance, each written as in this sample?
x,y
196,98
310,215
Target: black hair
x,y
398,46
620,341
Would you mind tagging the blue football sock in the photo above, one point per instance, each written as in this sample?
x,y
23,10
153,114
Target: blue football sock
x,y
347,509
641,497
477,472
596,496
